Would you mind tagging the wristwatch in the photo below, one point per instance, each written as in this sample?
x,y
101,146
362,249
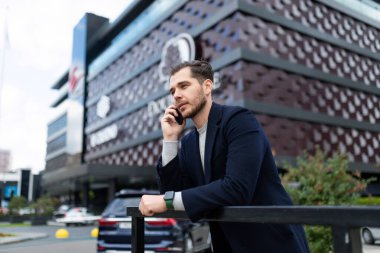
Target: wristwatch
x,y
169,197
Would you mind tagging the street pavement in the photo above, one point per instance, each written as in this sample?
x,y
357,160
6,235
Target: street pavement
x,y
371,249
21,237
41,239
21,234
59,246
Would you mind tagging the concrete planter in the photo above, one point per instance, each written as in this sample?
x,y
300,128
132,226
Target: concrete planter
x,y
18,219
39,220
5,218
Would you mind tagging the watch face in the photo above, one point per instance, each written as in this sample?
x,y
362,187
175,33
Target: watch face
x,y
169,195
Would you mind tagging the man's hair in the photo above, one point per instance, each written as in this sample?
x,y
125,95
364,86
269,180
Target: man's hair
x,y
200,70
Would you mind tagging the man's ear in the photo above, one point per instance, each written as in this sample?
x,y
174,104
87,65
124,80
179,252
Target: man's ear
x,y
207,86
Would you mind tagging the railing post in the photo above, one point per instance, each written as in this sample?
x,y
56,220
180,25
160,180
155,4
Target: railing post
x,y
346,240
355,239
137,234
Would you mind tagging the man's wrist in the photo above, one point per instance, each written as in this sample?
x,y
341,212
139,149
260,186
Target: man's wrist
x,y
177,202
168,198
171,138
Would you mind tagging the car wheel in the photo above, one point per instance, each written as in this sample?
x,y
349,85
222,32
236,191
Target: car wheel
x,y
188,244
367,237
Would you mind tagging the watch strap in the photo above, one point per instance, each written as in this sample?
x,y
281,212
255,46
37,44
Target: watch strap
x,y
169,197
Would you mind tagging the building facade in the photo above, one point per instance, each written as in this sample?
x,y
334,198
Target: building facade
x,y
309,70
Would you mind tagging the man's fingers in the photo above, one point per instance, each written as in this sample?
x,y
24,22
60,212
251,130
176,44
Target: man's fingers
x,y
149,213
144,210
142,206
168,118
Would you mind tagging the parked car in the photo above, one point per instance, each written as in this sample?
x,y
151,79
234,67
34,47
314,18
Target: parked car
x,y
61,211
370,235
161,234
78,216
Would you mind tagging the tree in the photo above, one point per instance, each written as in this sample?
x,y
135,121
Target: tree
x,y
45,205
319,180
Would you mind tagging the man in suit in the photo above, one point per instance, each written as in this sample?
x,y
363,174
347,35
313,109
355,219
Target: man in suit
x,y
225,160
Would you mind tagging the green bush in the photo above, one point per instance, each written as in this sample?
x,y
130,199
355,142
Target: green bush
x,y
15,204
45,205
319,180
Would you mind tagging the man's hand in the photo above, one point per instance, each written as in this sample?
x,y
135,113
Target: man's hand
x,y
151,204
170,128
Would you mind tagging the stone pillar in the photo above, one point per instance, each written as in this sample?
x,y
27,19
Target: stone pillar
x,y
112,186
85,198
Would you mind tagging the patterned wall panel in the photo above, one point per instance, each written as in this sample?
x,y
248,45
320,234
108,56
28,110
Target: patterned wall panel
x,y
292,138
139,88
256,82
250,81
146,154
130,128
192,14
327,20
141,155
242,30
287,138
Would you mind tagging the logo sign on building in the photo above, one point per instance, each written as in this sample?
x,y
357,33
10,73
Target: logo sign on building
x,y
176,50
76,80
217,81
158,106
102,136
103,106
75,107
83,31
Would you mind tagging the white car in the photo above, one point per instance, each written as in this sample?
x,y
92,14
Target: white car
x,y
78,216
370,235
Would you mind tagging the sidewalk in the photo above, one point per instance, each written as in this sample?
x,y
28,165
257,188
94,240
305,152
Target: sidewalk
x,y
20,237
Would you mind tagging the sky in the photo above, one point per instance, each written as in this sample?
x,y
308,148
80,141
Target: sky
x,y
38,53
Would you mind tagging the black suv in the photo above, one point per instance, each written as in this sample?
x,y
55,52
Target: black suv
x,y
161,234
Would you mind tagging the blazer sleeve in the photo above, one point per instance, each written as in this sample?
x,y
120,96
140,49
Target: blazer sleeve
x,y
246,148
173,176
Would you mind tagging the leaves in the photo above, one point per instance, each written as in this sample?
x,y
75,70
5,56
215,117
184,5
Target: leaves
x,y
45,205
321,180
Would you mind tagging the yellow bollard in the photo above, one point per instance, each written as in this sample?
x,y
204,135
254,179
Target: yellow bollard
x,y
94,232
62,234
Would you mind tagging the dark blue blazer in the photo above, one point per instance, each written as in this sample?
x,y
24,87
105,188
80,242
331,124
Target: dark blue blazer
x,y
239,171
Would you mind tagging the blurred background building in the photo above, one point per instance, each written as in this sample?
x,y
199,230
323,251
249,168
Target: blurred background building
x,y
310,70
5,160
21,182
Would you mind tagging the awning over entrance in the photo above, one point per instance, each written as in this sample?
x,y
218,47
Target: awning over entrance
x,y
70,178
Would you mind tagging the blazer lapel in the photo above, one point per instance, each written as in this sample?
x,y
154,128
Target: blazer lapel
x,y
212,130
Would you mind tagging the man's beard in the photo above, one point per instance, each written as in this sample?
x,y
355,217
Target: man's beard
x,y
199,107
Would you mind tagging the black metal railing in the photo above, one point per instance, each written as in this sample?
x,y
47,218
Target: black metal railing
x,y
345,221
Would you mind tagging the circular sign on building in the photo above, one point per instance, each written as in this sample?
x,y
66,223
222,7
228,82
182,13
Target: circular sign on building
x,y
103,106
176,50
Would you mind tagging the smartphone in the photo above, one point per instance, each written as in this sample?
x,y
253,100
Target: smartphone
x,y
179,118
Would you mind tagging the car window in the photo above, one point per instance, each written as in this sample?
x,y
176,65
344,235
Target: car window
x,y
118,205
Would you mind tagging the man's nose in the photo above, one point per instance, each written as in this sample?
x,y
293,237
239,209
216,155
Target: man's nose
x,y
177,95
